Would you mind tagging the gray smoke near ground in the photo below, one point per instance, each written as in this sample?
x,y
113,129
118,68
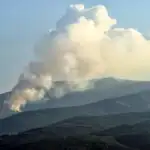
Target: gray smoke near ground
x,y
84,45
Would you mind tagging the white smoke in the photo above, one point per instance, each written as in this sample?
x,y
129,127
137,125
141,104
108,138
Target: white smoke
x,y
84,45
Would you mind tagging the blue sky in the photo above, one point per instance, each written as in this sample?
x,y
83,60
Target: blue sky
x,y
23,22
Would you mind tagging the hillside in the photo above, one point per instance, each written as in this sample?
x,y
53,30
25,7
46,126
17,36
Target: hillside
x,y
135,102
107,88
68,143
135,137
35,119
138,128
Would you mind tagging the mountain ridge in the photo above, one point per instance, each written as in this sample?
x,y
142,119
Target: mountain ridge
x,y
34,119
107,88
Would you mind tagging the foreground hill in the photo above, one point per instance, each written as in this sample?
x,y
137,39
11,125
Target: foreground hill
x,y
124,137
68,143
138,128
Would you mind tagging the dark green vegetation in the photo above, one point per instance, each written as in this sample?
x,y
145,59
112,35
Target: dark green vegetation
x,y
68,143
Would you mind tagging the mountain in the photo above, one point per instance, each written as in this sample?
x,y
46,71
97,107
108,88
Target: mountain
x,y
40,118
131,102
97,116
107,88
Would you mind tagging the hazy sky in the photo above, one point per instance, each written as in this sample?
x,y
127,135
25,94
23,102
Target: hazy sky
x,y
23,22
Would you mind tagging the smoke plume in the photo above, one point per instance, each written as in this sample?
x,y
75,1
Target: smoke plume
x,y
84,45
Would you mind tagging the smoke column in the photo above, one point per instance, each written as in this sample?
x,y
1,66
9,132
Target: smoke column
x,y
84,45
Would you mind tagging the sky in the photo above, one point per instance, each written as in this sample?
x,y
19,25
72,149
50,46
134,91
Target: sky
x,y
24,22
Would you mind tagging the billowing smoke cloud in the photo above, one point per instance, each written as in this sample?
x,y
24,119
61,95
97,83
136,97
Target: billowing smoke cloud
x,y
84,45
